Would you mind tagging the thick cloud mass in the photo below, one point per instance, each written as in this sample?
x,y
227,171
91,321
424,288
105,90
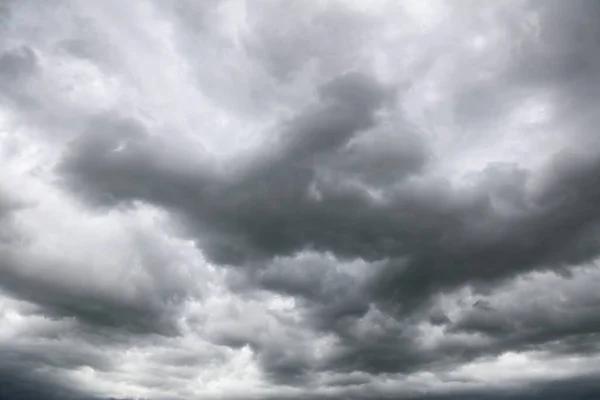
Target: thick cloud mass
x,y
299,200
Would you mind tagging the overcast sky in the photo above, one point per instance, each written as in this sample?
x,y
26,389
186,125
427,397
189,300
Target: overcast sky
x,y
299,199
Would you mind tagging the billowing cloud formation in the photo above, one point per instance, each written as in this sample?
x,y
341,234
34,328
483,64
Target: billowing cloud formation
x,y
309,200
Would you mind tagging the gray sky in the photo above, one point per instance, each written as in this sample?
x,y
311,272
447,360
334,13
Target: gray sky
x,y
303,199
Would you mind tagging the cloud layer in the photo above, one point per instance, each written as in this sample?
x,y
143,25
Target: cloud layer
x,y
304,200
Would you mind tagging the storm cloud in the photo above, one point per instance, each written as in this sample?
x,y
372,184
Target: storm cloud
x,y
303,200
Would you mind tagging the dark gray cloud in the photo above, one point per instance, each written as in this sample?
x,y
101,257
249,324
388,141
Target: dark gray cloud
x,y
342,200
263,210
15,384
90,308
17,66
451,232
532,318
17,63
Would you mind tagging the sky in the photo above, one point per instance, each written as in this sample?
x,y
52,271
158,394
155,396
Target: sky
x,y
301,199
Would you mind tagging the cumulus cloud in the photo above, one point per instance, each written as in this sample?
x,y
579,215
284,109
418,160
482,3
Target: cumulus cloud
x,y
309,200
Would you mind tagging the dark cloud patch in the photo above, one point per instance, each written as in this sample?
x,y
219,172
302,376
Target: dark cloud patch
x,y
4,10
487,240
486,320
34,355
9,204
17,65
263,210
349,380
584,388
285,366
379,160
563,46
281,363
24,373
89,308
580,388
111,144
438,317
542,230
121,158
97,310
491,233
333,301
26,384
562,319
390,352
330,293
